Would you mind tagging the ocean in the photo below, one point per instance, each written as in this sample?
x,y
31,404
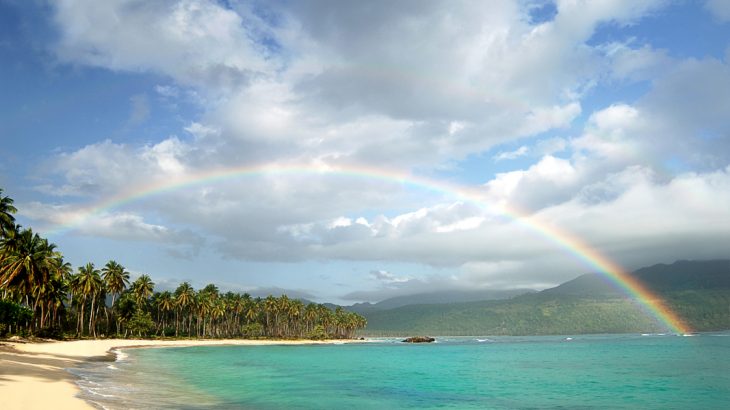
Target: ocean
x,y
547,372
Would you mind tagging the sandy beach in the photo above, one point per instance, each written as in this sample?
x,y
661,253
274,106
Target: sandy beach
x,y
33,375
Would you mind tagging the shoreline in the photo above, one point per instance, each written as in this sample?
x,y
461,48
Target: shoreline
x,y
35,376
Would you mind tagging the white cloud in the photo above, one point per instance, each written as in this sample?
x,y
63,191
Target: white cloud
x,y
124,226
322,83
611,134
107,168
195,42
636,64
519,152
167,156
202,131
541,184
387,277
551,146
167,91
544,119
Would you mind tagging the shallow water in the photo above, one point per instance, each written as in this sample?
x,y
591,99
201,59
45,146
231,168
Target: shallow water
x,y
606,371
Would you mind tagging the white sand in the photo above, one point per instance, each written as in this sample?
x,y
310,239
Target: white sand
x,y
33,375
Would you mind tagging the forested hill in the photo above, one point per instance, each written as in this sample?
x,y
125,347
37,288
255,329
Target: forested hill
x,y
680,275
699,291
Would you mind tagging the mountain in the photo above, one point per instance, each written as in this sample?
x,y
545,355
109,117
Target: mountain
x,y
699,291
443,297
680,275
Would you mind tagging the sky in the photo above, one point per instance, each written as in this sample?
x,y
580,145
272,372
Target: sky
x,y
355,151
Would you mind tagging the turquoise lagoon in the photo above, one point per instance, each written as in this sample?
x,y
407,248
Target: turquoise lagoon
x,y
598,371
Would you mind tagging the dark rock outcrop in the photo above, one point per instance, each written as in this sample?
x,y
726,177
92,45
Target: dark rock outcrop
x,y
419,339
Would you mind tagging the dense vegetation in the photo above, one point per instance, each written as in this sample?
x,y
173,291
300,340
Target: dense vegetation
x,y
699,294
41,295
703,310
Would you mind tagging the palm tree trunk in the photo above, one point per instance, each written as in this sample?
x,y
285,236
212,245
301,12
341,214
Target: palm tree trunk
x,y
81,317
109,322
91,315
43,314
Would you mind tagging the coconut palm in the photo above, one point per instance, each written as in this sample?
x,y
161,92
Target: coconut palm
x,y
204,305
50,294
55,298
116,279
25,262
165,304
184,299
142,288
7,220
217,312
310,316
251,310
87,284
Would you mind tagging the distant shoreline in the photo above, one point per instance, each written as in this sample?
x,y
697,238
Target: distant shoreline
x,y
34,376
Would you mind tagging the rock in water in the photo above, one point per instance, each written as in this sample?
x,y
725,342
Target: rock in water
x,y
419,339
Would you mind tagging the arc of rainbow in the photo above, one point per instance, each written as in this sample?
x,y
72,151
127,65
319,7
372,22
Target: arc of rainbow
x,y
649,301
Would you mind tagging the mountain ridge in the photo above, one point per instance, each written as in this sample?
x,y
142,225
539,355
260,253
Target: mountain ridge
x,y
699,291
439,297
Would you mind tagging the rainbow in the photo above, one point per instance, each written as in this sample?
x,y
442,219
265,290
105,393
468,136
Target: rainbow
x,y
647,300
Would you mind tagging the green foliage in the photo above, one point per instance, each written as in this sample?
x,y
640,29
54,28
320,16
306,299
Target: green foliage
x,y
13,315
538,314
253,330
141,323
318,333
703,309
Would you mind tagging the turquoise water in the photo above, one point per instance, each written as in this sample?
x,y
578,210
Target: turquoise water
x,y
608,371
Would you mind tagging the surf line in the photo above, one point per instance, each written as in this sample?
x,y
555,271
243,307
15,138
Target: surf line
x,y
648,301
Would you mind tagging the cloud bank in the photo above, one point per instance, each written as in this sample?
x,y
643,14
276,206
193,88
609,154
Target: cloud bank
x,y
415,87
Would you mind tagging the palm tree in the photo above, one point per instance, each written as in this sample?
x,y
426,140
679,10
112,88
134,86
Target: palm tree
x,y
55,296
217,311
296,309
251,311
87,283
165,304
184,298
25,262
7,221
116,279
237,303
207,297
326,317
310,316
204,304
49,295
270,307
143,288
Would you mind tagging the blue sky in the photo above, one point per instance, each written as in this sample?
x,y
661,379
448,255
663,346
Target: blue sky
x,y
607,120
